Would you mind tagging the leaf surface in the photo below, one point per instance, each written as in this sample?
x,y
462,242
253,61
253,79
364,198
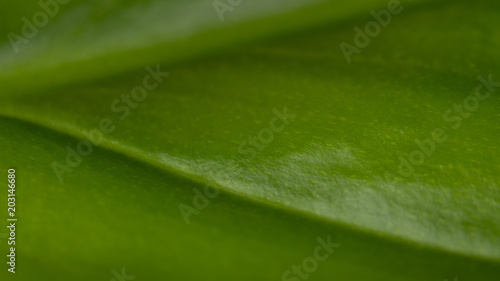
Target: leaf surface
x,y
331,169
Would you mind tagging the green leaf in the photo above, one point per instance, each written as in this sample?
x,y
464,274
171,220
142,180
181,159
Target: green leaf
x,y
375,156
87,40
